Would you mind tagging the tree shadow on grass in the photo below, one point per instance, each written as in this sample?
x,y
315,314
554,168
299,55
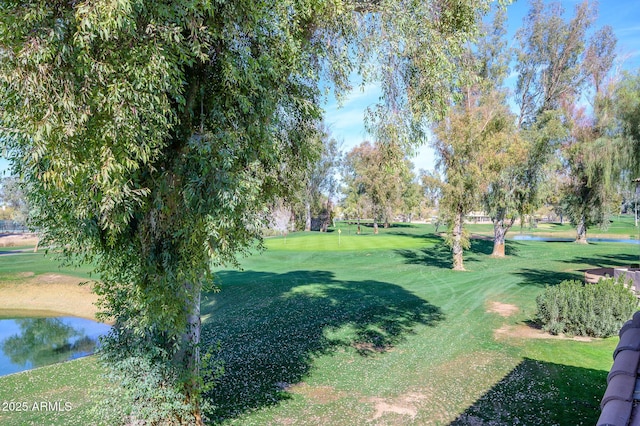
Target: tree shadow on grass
x,y
481,246
485,246
542,277
271,327
438,255
606,260
540,393
426,236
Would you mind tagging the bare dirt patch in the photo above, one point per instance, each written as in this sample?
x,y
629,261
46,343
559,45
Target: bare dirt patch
x,y
502,309
524,331
13,240
405,405
317,394
56,293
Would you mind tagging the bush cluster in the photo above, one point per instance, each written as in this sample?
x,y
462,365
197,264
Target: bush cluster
x,y
595,310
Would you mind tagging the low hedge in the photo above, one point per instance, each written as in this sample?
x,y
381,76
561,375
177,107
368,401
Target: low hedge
x,y
595,310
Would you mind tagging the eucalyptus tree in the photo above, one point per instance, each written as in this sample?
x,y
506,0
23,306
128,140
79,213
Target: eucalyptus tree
x,y
470,144
380,174
320,178
626,110
558,68
500,199
478,145
431,185
594,161
153,134
549,57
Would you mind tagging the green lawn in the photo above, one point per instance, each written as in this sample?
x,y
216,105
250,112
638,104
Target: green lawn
x,y
12,265
622,226
378,329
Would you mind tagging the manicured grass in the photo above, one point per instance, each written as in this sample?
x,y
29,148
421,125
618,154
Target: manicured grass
x,y
13,265
415,236
621,227
59,394
379,330
392,335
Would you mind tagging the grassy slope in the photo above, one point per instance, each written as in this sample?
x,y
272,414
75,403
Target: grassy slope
x,y
380,329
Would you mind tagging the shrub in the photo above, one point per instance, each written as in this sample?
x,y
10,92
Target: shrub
x,y
595,310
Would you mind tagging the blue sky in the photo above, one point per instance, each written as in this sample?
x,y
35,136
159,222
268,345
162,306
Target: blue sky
x,y
346,123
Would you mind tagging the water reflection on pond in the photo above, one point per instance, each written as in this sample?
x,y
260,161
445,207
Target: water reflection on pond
x,y
27,343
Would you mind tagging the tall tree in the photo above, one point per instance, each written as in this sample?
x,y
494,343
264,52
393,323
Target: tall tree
x,y
626,109
558,68
380,173
500,199
468,144
154,133
477,144
592,160
319,179
549,57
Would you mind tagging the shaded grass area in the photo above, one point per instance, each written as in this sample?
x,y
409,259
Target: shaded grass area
x,y
531,394
59,394
271,343
385,333
432,371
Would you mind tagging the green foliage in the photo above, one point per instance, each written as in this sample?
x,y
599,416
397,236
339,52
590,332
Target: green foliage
x,y
145,383
627,113
13,197
596,310
550,68
153,135
557,66
376,176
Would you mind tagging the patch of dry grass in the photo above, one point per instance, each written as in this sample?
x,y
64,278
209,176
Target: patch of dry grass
x,y
18,240
46,294
502,309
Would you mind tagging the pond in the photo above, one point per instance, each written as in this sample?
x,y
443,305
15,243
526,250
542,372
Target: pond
x,y
27,342
569,240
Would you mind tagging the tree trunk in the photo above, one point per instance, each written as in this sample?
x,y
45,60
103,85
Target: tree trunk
x,y
500,229
307,212
499,234
458,264
358,226
190,354
375,226
581,231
